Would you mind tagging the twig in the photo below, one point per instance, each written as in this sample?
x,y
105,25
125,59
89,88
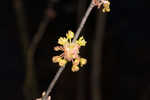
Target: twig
x,y
52,84
83,21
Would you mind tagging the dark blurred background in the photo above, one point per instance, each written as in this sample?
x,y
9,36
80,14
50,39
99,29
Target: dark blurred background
x,y
118,50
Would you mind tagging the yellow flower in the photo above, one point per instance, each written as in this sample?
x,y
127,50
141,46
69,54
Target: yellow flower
x,y
83,61
106,5
106,10
81,41
75,68
62,63
70,34
56,59
62,40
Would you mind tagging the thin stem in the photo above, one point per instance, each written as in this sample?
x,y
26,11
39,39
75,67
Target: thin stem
x,y
52,84
83,21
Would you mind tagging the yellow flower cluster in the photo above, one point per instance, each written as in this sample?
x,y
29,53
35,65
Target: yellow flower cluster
x,y
58,59
81,41
83,61
70,35
106,5
62,40
76,62
70,51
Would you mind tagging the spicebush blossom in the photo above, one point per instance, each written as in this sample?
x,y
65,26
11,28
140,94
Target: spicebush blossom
x,y
70,51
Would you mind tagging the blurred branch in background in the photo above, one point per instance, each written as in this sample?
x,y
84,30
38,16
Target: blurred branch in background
x,y
81,8
22,25
97,58
30,71
30,87
30,83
